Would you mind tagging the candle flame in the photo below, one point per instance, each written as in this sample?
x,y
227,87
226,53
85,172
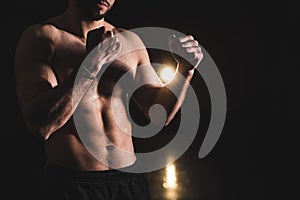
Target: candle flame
x,y
170,180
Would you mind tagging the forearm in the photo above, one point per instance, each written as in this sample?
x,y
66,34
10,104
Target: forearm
x,y
172,95
51,109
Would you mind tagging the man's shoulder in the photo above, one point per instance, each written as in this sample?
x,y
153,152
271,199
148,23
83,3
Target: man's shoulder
x,y
43,31
129,34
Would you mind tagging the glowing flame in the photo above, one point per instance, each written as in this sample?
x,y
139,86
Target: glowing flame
x,y
170,180
167,74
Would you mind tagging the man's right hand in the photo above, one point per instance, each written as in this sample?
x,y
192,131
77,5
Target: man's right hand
x,y
102,47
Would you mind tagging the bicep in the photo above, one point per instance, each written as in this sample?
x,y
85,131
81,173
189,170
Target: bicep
x,y
33,73
147,83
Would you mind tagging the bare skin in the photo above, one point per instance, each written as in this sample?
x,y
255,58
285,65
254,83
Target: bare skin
x,y
48,58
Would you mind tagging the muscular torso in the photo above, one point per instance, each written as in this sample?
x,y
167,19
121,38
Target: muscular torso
x,y
98,136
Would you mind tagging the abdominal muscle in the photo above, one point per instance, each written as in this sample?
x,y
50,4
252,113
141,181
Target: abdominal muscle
x,y
97,137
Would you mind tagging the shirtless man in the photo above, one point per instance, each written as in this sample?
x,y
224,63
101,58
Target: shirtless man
x,y
48,58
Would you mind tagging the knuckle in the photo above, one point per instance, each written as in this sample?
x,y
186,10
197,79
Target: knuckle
x,y
191,37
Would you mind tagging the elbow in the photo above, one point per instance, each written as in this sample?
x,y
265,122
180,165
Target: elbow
x,y
39,126
168,120
38,130
44,134
41,132
172,113
162,121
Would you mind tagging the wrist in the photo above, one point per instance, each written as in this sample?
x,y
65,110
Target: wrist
x,y
186,72
86,73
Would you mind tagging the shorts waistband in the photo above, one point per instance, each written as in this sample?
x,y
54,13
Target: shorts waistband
x,y
59,172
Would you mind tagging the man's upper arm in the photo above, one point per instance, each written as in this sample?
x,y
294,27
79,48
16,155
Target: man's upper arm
x,y
144,72
33,72
146,81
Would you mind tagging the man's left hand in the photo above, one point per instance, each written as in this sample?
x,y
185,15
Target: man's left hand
x,y
186,51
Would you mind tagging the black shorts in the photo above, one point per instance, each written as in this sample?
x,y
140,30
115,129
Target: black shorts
x,y
65,184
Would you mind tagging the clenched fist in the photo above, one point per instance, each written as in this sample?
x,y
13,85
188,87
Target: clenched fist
x,y
186,51
102,47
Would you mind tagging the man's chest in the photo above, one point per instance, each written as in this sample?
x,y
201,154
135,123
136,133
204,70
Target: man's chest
x,y
69,57
116,76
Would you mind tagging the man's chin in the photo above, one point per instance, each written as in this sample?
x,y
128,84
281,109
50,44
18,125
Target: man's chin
x,y
99,16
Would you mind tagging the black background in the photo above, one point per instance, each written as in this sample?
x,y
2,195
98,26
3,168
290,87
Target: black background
x,y
254,46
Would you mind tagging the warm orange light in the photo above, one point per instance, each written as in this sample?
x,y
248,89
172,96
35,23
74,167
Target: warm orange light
x,y
167,74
